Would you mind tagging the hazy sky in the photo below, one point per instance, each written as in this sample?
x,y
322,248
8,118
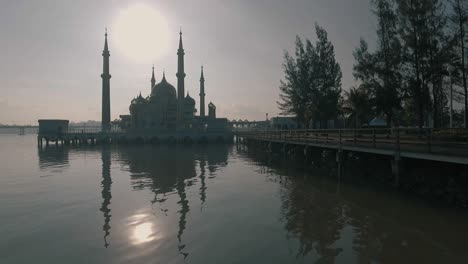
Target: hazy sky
x,y
51,59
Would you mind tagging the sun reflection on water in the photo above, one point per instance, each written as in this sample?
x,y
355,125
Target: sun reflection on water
x,y
142,230
143,233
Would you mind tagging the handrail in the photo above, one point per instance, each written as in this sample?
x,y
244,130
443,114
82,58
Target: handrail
x,y
424,140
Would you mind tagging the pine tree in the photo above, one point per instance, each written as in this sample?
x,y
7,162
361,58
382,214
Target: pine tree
x,y
312,86
388,61
294,90
327,77
379,72
439,48
412,27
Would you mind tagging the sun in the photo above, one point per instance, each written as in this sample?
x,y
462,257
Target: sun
x,y
141,33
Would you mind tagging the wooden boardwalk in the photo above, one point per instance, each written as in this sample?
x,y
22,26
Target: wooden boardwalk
x,y
446,145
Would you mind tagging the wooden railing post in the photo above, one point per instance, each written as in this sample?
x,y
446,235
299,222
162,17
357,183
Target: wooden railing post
x,y
397,145
373,139
429,140
355,136
339,131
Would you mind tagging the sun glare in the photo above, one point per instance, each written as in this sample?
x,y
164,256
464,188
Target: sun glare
x,y
143,233
141,33
142,229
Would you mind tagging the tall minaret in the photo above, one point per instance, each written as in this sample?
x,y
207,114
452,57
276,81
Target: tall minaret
x,y
180,81
202,94
153,80
105,120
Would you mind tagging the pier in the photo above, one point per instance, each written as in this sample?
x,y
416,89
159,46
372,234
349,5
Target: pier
x,y
445,145
77,136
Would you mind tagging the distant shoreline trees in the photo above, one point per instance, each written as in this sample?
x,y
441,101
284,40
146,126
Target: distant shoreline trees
x,y
421,54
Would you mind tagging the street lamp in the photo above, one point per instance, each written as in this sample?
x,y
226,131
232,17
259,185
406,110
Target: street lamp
x,y
450,69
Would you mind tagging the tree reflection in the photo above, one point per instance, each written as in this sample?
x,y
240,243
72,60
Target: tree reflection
x,y
376,224
315,218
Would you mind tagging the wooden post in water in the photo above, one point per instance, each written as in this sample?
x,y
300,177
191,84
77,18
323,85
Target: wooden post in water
x,y
396,167
339,162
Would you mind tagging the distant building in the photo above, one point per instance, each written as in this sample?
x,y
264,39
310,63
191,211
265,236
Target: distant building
x,y
377,122
211,111
53,126
284,123
165,109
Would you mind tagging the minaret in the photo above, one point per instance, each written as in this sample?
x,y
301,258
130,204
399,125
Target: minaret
x,y
105,120
202,94
153,80
180,81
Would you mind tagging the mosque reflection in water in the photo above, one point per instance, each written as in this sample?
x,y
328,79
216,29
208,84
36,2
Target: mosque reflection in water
x,y
165,170
169,170
51,158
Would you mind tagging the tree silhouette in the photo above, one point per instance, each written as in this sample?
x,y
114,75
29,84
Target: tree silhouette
x,y
311,88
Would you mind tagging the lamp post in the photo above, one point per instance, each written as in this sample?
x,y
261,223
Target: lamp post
x,y
450,70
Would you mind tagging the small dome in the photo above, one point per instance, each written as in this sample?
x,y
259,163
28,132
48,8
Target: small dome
x,y
189,100
140,99
163,89
211,105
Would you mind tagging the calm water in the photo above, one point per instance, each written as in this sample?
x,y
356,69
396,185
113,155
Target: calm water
x,y
213,204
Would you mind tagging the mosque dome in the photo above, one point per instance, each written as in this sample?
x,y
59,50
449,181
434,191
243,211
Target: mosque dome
x,y
189,100
140,99
163,90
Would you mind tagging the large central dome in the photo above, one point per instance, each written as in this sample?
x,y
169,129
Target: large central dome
x,y
164,90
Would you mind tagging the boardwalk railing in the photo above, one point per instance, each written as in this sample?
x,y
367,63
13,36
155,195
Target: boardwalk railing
x,y
75,130
450,142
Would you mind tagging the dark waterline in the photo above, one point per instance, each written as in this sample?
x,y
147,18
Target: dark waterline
x,y
212,204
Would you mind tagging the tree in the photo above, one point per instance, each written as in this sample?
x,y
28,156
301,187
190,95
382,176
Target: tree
x,y
312,85
459,21
439,46
364,67
326,77
357,105
379,71
294,89
413,34
388,60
